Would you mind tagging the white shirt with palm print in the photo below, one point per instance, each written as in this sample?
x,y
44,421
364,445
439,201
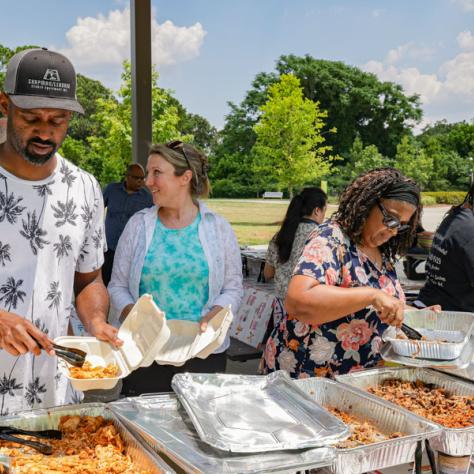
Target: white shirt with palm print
x,y
48,230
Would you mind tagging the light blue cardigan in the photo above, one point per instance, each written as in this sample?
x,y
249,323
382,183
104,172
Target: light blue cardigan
x,y
220,248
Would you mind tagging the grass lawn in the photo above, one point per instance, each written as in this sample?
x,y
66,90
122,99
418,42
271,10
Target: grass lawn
x,y
253,222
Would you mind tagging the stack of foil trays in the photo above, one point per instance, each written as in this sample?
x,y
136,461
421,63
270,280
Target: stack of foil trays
x,y
199,430
161,422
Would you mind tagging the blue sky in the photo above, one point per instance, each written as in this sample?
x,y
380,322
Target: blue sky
x,y
209,51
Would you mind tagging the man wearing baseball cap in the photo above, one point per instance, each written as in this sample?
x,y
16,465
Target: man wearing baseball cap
x,y
51,233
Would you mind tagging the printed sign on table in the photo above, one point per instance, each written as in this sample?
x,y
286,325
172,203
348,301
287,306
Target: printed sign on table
x,y
250,322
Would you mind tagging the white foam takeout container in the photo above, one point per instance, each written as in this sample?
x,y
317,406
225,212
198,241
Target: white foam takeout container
x,y
147,337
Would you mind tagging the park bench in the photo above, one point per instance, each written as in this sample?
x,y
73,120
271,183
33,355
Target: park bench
x,y
272,195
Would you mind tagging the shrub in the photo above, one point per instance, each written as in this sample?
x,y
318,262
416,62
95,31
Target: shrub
x,y
427,200
446,197
227,188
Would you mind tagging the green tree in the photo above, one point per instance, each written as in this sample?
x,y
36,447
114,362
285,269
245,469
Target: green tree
x,y
5,56
357,102
412,160
111,148
365,158
289,147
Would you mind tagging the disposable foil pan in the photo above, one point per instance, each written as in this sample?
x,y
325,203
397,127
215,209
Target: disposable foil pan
x,y
452,326
47,419
453,441
385,418
249,414
387,352
161,422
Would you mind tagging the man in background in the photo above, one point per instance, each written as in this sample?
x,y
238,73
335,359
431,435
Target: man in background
x,y
122,200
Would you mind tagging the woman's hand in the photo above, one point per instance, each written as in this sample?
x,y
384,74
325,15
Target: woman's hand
x,y
207,317
435,307
389,308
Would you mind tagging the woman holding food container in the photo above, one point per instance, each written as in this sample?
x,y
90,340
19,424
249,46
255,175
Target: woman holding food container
x,y
344,292
179,251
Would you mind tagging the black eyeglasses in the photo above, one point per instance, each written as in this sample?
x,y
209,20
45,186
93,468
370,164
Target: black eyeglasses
x,y
392,222
179,145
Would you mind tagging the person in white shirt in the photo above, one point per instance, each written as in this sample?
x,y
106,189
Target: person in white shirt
x,y
51,233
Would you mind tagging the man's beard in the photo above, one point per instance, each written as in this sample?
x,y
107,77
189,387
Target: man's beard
x,y
34,159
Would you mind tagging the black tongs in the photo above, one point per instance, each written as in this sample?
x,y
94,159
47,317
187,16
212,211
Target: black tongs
x,y
75,357
411,333
8,433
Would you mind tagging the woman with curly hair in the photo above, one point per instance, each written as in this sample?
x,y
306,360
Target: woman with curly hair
x,y
344,292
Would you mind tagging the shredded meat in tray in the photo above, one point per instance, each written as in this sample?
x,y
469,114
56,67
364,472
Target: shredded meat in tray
x,y
429,401
90,445
362,432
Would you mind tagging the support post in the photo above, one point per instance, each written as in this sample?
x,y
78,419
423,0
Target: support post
x,y
140,27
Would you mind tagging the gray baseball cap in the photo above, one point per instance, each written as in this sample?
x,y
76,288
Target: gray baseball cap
x,y
42,79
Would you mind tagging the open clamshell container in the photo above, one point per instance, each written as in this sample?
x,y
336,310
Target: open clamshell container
x,y
48,418
250,414
386,419
162,423
451,326
452,441
147,337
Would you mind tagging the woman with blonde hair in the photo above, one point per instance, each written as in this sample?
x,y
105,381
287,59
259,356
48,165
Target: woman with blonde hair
x,y
182,253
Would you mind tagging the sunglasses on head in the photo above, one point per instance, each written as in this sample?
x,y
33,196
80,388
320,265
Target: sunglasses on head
x,y
391,222
179,145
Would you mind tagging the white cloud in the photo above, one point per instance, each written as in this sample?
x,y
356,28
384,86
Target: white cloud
x,y
466,40
467,5
105,40
446,93
412,80
377,12
409,51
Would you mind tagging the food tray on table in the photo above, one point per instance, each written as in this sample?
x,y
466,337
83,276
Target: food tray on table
x,y
249,414
447,334
452,441
388,354
45,419
385,419
164,425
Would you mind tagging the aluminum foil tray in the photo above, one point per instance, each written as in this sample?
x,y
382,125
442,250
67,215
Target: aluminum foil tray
x,y
452,326
250,414
162,422
388,353
387,419
48,418
453,441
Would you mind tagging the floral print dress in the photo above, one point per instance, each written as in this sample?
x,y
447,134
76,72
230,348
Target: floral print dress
x,y
347,344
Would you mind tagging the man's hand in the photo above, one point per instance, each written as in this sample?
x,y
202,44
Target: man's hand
x,y
207,317
104,332
16,336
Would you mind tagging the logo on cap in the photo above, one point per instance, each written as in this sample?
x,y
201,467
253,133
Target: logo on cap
x,y
51,75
